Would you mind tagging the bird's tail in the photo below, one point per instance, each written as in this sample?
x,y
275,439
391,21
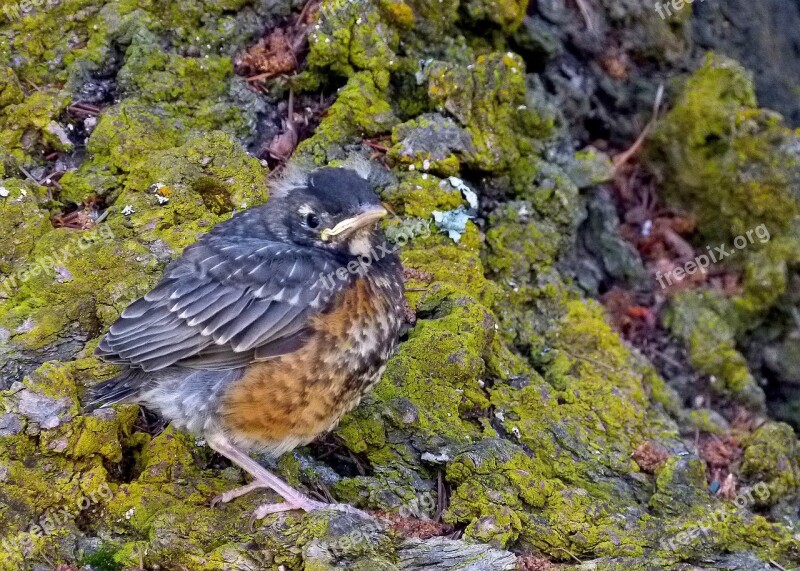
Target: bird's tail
x,y
116,390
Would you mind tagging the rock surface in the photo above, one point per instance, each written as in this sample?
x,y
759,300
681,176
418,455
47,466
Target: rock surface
x,y
514,427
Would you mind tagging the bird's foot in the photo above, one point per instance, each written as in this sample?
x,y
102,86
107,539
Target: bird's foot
x,y
231,495
305,504
293,500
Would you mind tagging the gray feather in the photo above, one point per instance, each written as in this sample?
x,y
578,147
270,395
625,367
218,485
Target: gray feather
x,y
228,291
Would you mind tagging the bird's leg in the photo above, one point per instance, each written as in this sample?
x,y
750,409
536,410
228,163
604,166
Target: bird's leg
x,y
263,479
266,479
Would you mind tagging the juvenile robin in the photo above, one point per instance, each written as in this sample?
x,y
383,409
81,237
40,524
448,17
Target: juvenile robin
x,y
269,328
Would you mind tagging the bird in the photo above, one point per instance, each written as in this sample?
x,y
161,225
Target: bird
x,y
269,328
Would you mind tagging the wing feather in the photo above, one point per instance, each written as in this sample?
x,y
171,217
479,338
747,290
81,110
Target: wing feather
x,y
225,302
231,296
256,334
131,346
129,326
198,291
245,318
208,301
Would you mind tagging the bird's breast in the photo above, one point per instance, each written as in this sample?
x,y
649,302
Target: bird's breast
x,y
292,399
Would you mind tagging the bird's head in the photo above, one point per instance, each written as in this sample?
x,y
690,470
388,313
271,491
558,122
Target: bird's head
x,y
331,208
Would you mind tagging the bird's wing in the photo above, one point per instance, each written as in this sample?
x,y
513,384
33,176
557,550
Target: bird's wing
x,y
223,304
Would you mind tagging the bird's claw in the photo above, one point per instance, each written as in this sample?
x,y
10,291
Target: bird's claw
x,y
220,499
231,495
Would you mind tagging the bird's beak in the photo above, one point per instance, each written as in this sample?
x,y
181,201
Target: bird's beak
x,y
368,216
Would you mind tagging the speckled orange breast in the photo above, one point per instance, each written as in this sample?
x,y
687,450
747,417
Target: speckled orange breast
x,y
290,400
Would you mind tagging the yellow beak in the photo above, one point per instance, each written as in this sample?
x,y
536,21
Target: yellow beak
x,y
370,216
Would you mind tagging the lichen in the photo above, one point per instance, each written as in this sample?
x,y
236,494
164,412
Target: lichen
x,y
361,110
431,142
351,37
30,126
519,242
724,159
771,456
418,195
488,99
706,323
511,391
506,14
23,220
87,275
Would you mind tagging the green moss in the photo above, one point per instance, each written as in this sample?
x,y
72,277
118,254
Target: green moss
x,y
724,159
491,480
91,179
168,502
103,560
680,485
46,487
398,13
127,133
551,191
419,195
43,39
526,311
708,325
708,421
86,274
519,243
213,165
590,167
423,392
360,110
434,20
199,91
96,436
601,420
350,37
431,143
30,127
166,98
456,265
488,99
722,528
34,546
577,424
507,14
157,76
175,195
60,42
771,456
767,271
23,220
10,89
504,495
661,393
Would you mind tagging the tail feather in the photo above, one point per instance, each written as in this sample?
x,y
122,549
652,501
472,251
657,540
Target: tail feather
x,y
119,389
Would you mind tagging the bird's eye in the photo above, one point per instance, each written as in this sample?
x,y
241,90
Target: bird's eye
x,y
312,220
